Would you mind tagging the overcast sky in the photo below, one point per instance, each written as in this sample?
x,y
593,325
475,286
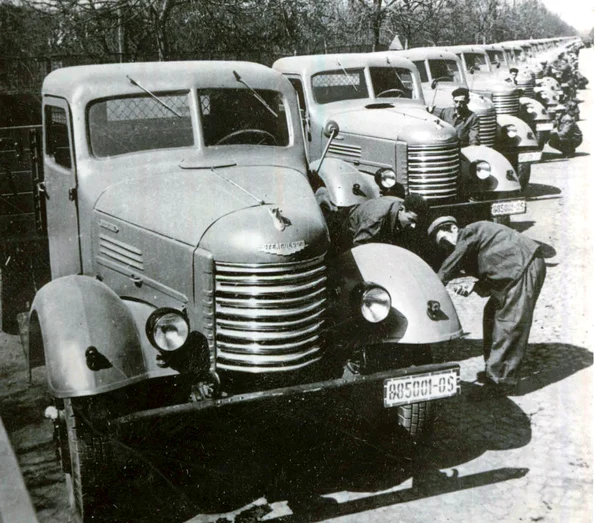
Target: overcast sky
x,y
578,13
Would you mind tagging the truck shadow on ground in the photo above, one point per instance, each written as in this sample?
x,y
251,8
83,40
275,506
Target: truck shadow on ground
x,y
540,190
543,365
301,454
549,157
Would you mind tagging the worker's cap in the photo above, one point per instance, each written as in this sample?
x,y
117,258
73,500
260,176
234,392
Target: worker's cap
x,y
460,91
440,222
513,70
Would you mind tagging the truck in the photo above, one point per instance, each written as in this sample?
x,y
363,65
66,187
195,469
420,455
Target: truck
x,y
441,72
189,268
507,99
386,132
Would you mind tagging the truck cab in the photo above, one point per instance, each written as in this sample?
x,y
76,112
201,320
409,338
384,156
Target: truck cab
x,y
378,103
190,267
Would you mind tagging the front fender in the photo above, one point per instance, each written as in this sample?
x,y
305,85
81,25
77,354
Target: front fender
x,y
502,178
75,314
411,283
346,185
533,111
525,138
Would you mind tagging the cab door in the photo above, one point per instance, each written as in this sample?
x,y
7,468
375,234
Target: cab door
x,y
60,188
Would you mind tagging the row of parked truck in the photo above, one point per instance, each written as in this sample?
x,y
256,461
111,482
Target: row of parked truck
x,y
188,262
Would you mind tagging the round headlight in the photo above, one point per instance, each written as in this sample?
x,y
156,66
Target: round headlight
x,y
511,131
375,304
386,178
483,170
167,329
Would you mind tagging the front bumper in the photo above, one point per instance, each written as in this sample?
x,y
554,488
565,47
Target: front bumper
x,y
372,384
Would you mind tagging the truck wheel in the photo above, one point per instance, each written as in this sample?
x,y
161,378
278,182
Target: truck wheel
x,y
415,419
91,457
524,171
502,220
542,138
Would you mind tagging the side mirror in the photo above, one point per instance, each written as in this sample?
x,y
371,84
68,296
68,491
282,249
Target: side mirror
x,y
331,129
498,64
434,83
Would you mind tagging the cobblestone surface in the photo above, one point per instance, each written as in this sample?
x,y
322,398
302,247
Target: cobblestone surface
x,y
525,458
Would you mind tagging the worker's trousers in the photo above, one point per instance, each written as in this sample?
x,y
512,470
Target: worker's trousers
x,y
507,320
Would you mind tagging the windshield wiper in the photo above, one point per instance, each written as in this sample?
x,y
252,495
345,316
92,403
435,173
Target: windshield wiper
x,y
256,95
395,71
157,99
347,75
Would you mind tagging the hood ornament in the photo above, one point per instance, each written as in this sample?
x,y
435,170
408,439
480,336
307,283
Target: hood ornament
x,y
280,221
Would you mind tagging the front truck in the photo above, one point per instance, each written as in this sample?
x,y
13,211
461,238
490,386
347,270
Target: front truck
x,y
372,106
190,268
441,72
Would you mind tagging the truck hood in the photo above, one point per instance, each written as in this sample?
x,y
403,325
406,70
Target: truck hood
x,y
183,205
387,121
489,83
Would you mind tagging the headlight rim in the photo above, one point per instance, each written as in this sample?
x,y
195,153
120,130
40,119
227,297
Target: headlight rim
x,y
378,177
361,292
482,166
152,322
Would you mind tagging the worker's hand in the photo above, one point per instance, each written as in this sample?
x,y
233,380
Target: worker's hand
x,y
463,289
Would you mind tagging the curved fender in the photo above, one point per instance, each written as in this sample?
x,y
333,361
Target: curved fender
x,y
412,284
533,110
346,185
75,313
502,178
525,137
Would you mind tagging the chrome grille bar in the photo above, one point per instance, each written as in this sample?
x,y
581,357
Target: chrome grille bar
x,y
487,129
269,317
433,170
506,103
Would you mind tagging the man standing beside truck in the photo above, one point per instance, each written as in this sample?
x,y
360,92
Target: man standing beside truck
x,y
510,270
465,121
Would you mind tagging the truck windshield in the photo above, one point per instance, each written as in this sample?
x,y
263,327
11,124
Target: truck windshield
x,y
393,82
447,70
237,117
334,86
476,60
130,124
496,56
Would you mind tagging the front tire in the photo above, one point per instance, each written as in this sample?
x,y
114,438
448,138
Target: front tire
x,y
524,171
91,454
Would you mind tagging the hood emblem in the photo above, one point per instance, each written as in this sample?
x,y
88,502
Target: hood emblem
x,y
280,221
284,248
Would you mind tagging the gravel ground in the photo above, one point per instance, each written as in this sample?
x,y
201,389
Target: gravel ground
x,y
523,458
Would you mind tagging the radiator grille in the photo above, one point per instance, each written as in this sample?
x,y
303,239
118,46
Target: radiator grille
x,y
433,170
506,103
527,87
269,317
487,129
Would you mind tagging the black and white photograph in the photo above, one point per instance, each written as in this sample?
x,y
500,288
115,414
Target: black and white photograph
x,y
296,261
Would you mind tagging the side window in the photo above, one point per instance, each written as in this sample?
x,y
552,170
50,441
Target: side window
x,y
57,140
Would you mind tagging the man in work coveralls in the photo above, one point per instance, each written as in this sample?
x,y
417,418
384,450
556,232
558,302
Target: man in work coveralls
x,y
465,121
510,270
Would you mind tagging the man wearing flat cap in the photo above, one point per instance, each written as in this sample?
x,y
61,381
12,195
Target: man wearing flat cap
x,y
510,269
465,121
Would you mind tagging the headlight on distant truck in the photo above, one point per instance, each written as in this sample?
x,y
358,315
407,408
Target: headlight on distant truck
x,y
386,178
510,131
167,329
373,301
483,170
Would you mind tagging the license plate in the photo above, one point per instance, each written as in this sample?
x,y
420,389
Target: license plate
x,y
421,387
546,126
512,207
530,157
